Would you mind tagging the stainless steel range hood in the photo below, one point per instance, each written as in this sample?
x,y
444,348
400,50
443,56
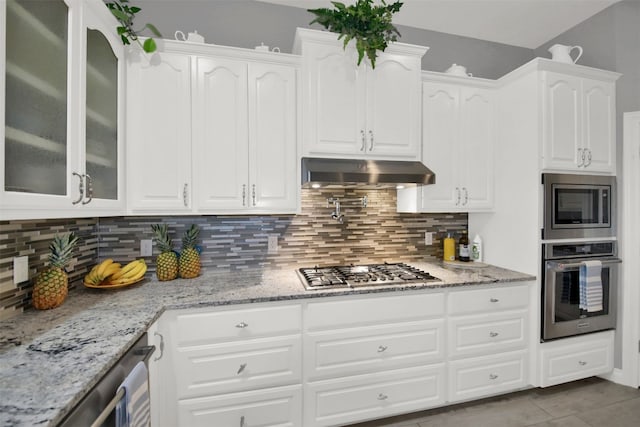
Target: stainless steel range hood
x,y
318,172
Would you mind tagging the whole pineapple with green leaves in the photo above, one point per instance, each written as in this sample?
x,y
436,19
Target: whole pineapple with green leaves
x,y
167,261
51,284
190,257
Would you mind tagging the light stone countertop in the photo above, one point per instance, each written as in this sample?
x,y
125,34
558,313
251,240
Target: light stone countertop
x,y
50,359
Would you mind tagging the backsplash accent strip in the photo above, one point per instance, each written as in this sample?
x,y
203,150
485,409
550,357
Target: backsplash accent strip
x,y
369,234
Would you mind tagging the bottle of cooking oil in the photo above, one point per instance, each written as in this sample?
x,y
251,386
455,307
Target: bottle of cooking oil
x,y
463,247
449,248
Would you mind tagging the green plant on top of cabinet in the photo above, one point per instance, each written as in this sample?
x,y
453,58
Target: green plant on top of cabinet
x,y
352,111
61,140
578,123
219,138
458,130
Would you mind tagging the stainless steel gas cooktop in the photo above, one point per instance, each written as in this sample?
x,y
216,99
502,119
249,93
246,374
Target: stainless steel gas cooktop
x,y
350,276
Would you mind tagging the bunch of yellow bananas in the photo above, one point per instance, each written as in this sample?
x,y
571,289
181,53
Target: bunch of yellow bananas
x,y
111,273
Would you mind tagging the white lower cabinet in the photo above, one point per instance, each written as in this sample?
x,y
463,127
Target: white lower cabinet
x,y
487,375
575,358
379,394
281,407
345,359
488,334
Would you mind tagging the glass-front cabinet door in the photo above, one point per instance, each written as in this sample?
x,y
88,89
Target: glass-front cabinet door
x,y
60,135
36,97
102,102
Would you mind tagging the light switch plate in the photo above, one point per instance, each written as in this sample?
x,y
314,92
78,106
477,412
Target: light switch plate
x,y
428,238
272,244
20,269
146,247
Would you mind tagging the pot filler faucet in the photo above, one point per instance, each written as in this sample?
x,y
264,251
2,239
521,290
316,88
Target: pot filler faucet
x,y
337,203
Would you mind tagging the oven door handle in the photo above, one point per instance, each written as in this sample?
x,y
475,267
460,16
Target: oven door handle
x,y
561,266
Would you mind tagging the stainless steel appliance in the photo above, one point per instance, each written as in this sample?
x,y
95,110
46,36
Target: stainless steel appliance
x,y
561,312
97,407
578,206
351,276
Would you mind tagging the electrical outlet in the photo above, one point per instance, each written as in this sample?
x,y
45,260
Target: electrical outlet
x,y
428,238
20,269
272,244
146,247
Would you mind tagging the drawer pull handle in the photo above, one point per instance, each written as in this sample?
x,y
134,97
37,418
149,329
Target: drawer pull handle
x,y
242,421
382,348
382,396
494,300
241,325
582,362
493,334
244,365
493,376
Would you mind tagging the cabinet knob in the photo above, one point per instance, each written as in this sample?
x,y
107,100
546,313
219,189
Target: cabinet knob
x,y
80,189
458,196
244,194
382,348
242,424
493,376
241,368
382,396
582,362
242,325
581,157
466,196
161,346
364,140
588,157
371,140
89,186
493,334
494,300
185,195
253,193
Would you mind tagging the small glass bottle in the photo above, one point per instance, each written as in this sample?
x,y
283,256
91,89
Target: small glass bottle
x,y
449,248
463,247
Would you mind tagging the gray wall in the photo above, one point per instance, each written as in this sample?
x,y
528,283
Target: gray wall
x,y
247,23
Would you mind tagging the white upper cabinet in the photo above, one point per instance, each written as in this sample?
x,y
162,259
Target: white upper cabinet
x,y
222,131
457,136
61,137
352,111
159,132
579,123
245,136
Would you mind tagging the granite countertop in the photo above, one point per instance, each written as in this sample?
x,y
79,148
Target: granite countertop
x,y
50,359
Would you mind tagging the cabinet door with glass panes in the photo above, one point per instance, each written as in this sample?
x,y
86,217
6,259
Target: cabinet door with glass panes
x,y
60,138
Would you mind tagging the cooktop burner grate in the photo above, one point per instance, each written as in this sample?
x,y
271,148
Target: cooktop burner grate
x,y
343,276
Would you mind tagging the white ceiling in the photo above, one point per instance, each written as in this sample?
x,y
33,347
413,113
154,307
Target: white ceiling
x,y
525,23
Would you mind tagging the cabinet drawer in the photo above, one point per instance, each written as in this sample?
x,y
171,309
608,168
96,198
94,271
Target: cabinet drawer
x,y
224,368
351,399
484,376
576,360
281,407
478,300
386,309
373,348
203,327
484,334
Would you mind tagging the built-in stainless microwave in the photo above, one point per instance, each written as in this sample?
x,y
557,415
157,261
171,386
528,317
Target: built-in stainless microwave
x,y
577,206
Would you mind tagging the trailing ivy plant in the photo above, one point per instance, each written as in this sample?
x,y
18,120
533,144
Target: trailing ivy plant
x,y
125,14
370,25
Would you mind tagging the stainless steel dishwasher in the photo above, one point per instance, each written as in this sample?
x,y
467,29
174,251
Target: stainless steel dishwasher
x,y
97,407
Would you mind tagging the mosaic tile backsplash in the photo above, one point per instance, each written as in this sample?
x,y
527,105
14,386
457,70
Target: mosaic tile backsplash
x,y
368,234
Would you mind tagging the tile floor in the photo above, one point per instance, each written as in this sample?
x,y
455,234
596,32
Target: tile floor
x,y
592,402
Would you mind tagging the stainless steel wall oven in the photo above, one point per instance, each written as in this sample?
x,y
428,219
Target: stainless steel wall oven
x,y
563,301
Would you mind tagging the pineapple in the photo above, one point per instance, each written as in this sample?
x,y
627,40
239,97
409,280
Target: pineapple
x,y
167,261
190,258
50,288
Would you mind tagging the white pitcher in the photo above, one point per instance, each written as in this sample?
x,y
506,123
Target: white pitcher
x,y
562,53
